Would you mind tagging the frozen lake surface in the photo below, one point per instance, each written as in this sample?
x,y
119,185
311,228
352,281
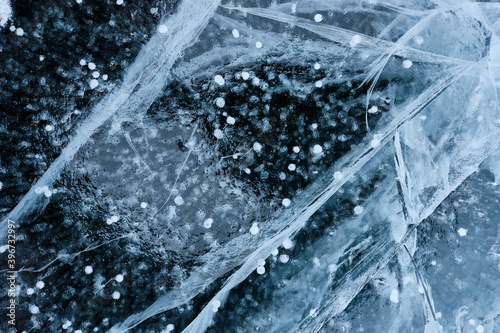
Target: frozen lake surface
x,y
250,166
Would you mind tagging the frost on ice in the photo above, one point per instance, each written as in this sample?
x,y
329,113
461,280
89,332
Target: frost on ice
x,y
274,167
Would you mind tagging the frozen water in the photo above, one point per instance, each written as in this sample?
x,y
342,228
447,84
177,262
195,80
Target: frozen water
x,y
5,12
319,166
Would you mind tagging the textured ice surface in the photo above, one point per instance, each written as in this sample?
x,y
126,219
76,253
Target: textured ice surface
x,y
306,166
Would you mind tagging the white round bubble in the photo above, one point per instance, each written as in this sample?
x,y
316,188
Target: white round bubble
x,y
93,83
375,143
394,296
284,258
66,325
219,80
179,200
163,29
355,40
287,243
208,223
257,146
220,102
254,229
218,133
